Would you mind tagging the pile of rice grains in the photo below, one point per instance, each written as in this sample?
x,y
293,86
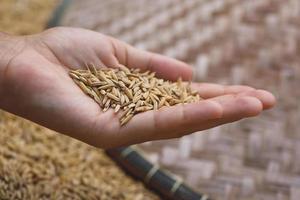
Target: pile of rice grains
x,y
17,16
36,163
131,90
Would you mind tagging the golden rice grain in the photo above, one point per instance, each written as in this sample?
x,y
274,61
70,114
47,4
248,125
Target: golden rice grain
x,y
113,97
128,93
73,75
125,112
117,108
126,119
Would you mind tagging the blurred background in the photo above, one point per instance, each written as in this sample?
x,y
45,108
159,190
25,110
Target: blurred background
x,y
256,43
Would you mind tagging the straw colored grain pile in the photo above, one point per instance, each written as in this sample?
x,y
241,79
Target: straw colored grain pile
x,y
131,90
36,163
24,16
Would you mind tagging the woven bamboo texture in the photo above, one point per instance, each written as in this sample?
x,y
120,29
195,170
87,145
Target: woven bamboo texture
x,y
253,42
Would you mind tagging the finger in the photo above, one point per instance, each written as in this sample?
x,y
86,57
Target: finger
x,y
179,120
267,99
210,90
165,67
234,108
241,107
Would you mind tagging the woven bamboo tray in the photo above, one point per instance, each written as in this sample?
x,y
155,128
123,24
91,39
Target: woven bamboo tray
x,y
230,42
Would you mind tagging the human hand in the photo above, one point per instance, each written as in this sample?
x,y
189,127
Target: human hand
x,y
34,83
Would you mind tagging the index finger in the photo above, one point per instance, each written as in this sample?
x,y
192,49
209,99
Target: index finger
x,y
165,67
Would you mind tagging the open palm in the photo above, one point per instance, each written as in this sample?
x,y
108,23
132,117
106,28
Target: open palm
x,y
38,87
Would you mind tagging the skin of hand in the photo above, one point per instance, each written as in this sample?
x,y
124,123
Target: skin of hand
x,y
34,84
